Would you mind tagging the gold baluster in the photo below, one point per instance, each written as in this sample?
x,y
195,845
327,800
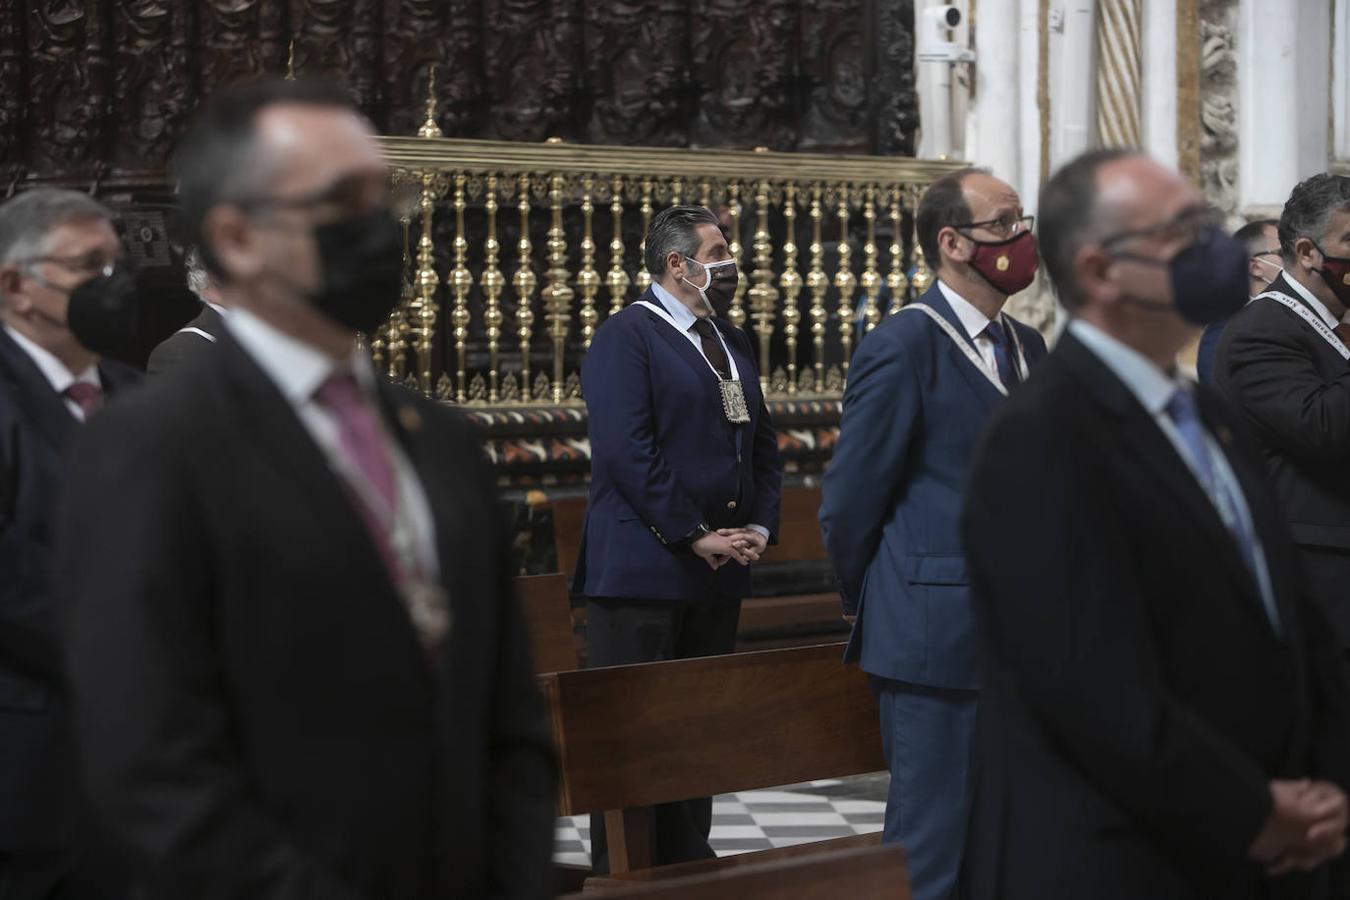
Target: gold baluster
x,y
492,283
844,280
737,313
461,281
871,277
588,279
644,278
524,282
896,282
557,296
427,282
791,283
676,191
763,296
396,328
429,127
705,194
923,278
818,283
617,279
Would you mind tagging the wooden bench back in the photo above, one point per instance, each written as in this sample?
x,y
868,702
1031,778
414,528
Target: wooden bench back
x,y
548,616
871,872
798,528
633,736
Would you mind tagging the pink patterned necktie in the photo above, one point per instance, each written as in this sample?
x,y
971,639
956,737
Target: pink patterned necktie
x,y
88,397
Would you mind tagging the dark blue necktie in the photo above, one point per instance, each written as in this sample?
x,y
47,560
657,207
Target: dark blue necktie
x,y
1003,354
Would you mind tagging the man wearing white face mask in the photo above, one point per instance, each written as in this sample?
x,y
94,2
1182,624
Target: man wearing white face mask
x,y
1262,240
685,477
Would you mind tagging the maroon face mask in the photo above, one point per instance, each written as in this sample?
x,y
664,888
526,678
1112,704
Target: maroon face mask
x,y
1007,265
1335,272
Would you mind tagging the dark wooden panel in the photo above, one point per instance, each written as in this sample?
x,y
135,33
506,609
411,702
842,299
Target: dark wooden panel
x,y
13,93
631,736
154,92
569,515
798,528
637,71
238,39
857,872
549,616
532,54
69,83
743,58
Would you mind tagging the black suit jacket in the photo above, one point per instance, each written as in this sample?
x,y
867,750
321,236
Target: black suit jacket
x,y
257,717
1138,700
38,795
1293,389
186,342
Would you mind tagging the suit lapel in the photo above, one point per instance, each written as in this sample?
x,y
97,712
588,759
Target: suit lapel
x,y
34,393
1144,443
988,394
682,346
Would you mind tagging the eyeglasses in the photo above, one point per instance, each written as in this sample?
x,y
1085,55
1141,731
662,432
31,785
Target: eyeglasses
x,y
1004,226
1183,228
93,263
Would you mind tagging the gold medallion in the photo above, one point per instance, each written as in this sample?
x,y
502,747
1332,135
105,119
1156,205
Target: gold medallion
x,y
1001,264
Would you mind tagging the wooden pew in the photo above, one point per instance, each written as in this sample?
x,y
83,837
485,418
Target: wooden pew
x,y
629,737
766,622
865,872
548,616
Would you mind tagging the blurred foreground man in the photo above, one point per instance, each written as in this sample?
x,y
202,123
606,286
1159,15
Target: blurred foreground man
x,y
298,667
1163,713
52,244
920,389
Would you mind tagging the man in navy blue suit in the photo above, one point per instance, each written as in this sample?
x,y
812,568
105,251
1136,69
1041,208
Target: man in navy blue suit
x,y
1262,240
685,476
920,388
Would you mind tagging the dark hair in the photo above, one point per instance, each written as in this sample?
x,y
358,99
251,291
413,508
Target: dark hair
x,y
942,205
1068,217
674,228
1309,208
1253,234
217,161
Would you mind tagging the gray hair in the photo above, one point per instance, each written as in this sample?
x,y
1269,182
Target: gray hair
x,y
1307,213
27,220
197,279
675,228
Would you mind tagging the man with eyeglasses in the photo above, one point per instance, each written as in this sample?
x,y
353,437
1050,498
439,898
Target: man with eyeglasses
x,y
1262,240
298,666
1283,361
1163,713
920,388
51,241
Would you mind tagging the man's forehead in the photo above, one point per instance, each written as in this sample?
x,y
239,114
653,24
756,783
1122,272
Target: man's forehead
x,y
985,192
313,146
78,236
709,235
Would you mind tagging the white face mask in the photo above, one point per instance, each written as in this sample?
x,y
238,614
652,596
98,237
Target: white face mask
x,y
708,278
1276,263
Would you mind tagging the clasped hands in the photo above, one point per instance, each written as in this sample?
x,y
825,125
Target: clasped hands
x,y
1306,826
719,547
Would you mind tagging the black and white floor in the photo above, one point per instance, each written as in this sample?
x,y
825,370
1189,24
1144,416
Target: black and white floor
x,y
759,820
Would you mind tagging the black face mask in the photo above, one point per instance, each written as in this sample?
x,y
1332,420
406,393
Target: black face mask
x,y
110,315
362,270
1209,279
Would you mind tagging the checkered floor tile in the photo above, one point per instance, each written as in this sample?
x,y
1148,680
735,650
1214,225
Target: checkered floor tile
x,y
754,820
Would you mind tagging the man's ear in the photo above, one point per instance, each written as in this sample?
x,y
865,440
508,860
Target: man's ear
x,y
235,244
676,264
1305,252
11,288
953,245
1092,274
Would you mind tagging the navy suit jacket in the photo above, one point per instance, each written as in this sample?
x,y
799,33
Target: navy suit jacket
x,y
914,409
1208,350
39,807
664,459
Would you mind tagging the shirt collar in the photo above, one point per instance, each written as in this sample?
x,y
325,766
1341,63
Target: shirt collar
x,y
974,321
1311,300
55,371
1151,386
682,315
295,367
218,308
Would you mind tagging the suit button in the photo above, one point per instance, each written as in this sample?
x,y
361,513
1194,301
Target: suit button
x,y
731,504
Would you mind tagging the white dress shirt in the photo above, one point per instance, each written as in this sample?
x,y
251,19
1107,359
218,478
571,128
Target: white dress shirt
x,y
975,323
1153,388
684,320
55,371
298,370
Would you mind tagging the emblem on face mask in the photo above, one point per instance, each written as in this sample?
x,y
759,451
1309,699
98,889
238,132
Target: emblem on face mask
x,y
1345,279
1002,264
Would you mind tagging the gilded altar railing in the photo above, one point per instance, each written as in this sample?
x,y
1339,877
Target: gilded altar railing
x,y
824,244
